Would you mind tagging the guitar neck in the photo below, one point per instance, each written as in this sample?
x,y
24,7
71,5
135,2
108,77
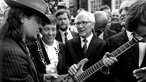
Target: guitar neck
x,y
95,67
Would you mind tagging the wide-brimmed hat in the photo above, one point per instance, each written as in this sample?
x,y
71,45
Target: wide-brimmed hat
x,y
39,6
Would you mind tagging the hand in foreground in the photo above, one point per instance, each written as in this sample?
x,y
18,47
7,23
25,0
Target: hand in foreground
x,y
140,74
73,69
50,76
108,59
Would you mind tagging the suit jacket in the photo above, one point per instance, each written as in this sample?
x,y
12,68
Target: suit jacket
x,y
59,38
40,65
122,71
17,65
108,33
94,53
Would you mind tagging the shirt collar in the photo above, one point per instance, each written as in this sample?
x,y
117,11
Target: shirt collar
x,y
129,34
54,44
88,38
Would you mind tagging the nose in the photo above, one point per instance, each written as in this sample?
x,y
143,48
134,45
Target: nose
x,y
50,33
123,13
62,20
80,26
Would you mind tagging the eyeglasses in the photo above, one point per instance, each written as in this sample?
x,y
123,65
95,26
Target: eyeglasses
x,y
83,23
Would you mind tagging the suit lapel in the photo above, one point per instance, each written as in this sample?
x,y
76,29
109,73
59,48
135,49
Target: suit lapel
x,y
44,52
91,46
58,36
77,47
134,50
144,61
30,59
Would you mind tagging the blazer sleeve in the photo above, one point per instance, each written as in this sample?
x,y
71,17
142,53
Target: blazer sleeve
x,y
15,66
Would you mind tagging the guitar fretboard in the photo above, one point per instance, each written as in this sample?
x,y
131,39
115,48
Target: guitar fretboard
x,y
95,67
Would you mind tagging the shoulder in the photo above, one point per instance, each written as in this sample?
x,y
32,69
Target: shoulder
x,y
75,34
11,49
98,40
8,45
61,44
118,36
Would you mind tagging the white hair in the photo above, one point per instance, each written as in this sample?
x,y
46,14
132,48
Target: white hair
x,y
90,16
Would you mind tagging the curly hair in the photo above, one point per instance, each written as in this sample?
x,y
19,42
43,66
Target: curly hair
x,y
136,15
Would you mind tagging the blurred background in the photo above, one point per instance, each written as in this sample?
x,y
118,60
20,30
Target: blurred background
x,y
73,5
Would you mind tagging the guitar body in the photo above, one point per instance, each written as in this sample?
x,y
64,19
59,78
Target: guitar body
x,y
67,77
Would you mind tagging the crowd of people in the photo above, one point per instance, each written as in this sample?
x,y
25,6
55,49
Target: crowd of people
x,y
39,46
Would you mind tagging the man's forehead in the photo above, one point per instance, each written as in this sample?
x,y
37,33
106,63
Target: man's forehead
x,y
125,4
82,17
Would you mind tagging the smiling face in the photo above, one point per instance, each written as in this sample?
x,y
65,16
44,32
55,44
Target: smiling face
x,y
84,26
49,33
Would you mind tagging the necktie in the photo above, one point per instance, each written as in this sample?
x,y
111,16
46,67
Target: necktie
x,y
85,45
65,34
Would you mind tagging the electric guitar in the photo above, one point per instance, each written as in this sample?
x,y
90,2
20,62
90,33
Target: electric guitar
x,y
81,75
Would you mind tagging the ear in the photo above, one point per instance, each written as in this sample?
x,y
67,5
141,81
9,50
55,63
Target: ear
x,y
22,20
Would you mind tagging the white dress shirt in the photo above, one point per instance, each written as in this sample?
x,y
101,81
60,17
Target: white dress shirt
x,y
52,52
69,35
142,48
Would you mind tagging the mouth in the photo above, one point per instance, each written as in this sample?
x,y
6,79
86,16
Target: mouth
x,y
81,30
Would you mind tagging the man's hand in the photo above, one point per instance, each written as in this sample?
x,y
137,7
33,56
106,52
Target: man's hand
x,y
108,59
50,76
140,74
73,69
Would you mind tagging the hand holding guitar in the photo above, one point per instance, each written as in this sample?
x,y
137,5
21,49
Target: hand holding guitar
x,y
140,74
73,69
50,76
108,59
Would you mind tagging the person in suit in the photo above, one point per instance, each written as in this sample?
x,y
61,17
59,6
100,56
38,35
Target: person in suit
x,y
48,53
87,45
63,25
134,58
101,28
24,19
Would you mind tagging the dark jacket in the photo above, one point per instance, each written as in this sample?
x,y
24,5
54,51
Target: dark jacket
x,y
40,65
122,71
94,53
17,64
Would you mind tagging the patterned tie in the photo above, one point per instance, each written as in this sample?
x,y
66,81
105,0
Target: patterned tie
x,y
65,34
85,45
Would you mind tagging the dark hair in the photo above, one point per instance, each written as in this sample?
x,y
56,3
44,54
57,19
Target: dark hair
x,y
136,15
62,11
52,19
12,27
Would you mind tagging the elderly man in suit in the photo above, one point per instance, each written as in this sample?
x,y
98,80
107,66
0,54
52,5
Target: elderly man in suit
x,y
87,45
24,19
